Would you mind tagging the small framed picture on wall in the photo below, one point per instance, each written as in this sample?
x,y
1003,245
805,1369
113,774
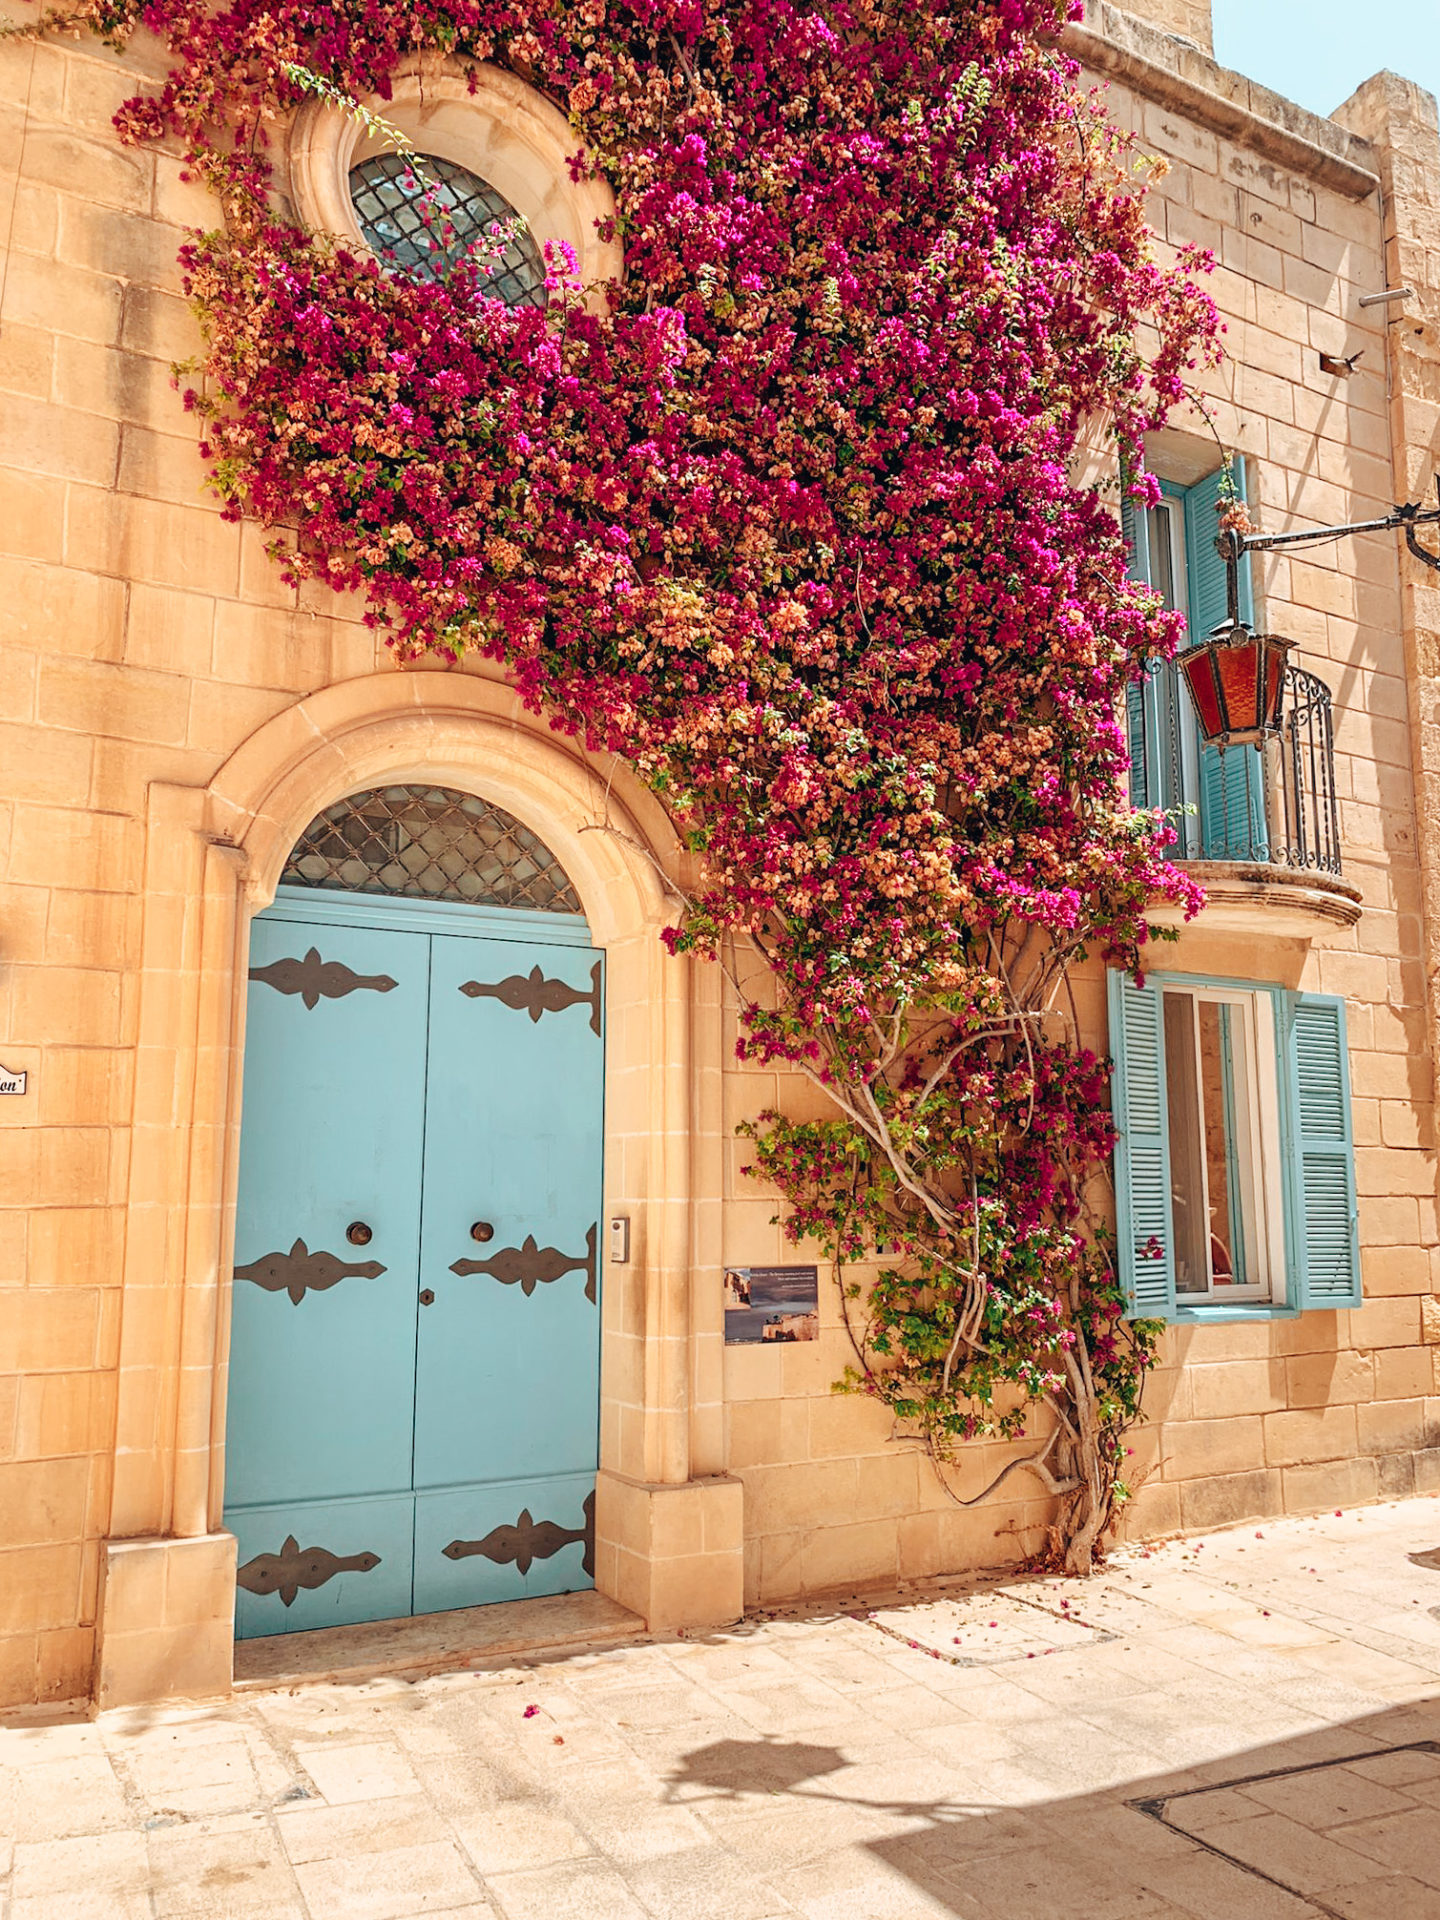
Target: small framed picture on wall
x,y
766,1305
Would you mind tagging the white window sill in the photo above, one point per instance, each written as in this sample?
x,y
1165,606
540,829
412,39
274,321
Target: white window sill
x,y
1199,1316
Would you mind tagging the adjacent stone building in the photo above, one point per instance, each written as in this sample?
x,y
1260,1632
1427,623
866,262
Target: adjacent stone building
x,y
181,736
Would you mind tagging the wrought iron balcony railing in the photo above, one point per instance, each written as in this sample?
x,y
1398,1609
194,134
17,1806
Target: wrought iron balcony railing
x,y
1274,804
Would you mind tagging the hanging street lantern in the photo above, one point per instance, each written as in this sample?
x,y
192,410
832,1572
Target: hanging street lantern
x,y
1236,680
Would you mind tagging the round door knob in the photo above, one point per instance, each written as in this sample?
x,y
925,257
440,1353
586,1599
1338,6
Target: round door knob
x,y
482,1231
358,1234
427,1296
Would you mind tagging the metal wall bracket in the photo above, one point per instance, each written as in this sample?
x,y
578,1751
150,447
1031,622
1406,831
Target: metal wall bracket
x,y
1410,517
1231,543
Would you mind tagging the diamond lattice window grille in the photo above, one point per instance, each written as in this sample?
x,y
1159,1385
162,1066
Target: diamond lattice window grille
x,y
430,843
406,231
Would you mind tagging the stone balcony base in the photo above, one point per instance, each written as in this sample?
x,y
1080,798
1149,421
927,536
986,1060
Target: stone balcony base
x,y
1254,896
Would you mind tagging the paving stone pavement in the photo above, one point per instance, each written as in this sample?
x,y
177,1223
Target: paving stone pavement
x,y
1245,1727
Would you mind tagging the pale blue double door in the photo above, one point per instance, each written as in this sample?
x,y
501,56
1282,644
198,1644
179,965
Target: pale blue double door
x,y
414,1369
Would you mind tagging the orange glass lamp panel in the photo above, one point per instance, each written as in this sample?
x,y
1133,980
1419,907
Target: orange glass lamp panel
x,y
1239,670
1274,680
1198,667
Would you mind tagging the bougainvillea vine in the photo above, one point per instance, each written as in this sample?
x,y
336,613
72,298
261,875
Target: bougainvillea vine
x,y
793,520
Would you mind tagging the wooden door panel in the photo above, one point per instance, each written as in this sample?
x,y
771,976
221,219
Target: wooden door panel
x,y
511,1540
386,1456
321,1392
322,1564
507,1383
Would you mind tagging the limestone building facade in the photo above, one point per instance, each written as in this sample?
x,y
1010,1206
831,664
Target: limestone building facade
x,y
174,723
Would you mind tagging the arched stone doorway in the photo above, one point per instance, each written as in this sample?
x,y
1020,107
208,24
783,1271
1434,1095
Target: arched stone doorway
x,y
668,1523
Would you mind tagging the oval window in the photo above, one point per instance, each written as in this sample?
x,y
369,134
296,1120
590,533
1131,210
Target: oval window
x,y
423,226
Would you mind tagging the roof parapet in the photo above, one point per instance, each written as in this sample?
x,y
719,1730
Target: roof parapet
x,y
1160,67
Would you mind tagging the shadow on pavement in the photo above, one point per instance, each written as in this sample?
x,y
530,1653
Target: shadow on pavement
x,y
1342,1823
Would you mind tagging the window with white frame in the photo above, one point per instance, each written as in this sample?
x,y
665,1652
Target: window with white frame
x,y
1164,745
1235,1179
1224,1141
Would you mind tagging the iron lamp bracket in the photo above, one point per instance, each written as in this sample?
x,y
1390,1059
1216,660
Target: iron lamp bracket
x,y
1409,518
1232,543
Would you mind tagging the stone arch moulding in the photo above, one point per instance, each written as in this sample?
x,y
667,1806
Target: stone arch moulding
x,y
503,130
669,1534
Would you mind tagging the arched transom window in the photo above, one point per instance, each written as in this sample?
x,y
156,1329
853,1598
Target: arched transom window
x,y
430,843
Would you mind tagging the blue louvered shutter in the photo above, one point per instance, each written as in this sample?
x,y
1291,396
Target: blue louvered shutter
x,y
1203,563
1135,742
1144,1240
1318,1148
1232,797
1144,765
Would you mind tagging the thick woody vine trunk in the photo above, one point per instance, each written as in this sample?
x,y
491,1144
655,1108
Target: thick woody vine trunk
x,y
1083,1513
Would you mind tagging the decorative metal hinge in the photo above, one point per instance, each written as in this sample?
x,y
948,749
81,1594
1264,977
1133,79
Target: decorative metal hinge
x,y
296,1566
300,1271
532,993
315,979
529,1266
530,1540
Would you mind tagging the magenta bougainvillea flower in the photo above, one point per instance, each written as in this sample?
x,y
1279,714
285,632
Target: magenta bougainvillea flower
x,y
798,519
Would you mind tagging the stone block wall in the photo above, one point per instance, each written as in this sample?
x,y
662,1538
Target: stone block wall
x,y
1189,19
147,642
144,639
1330,1409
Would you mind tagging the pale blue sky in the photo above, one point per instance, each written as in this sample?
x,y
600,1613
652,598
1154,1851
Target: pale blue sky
x,y
1316,52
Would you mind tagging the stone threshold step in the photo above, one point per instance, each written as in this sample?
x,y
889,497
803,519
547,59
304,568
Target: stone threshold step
x,y
435,1642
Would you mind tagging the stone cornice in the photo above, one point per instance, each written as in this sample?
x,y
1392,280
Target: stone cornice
x,y
1173,73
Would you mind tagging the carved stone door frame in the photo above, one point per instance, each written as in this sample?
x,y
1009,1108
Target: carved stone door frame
x,y
668,1523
